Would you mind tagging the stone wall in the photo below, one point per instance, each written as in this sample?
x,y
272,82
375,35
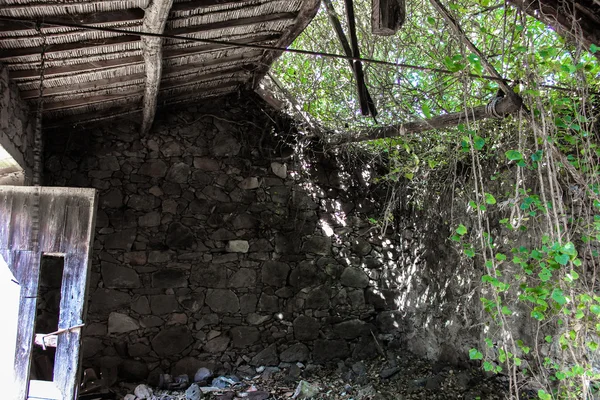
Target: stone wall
x,y
217,247
16,133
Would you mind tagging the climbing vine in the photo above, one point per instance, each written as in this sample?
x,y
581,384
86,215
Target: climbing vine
x,y
533,189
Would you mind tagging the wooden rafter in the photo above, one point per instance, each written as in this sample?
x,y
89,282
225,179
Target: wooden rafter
x,y
337,27
155,20
503,107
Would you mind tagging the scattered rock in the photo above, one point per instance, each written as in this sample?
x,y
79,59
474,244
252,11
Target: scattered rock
x,y
305,390
202,374
143,392
279,169
237,246
193,392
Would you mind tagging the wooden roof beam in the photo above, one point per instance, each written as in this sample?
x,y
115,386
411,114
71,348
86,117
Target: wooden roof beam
x,y
155,20
60,7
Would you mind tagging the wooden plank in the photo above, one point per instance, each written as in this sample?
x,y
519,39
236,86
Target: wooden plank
x,y
100,44
196,4
60,7
27,263
97,18
21,222
257,19
51,232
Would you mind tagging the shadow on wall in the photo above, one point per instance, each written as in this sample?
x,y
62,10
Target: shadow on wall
x,y
11,172
424,296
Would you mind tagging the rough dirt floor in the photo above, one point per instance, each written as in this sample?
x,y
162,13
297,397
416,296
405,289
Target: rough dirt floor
x,y
391,378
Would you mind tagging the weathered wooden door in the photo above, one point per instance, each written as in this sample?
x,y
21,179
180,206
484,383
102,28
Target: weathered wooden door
x,y
35,221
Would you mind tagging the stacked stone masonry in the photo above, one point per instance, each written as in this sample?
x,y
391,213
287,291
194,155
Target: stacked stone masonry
x,y
215,248
16,128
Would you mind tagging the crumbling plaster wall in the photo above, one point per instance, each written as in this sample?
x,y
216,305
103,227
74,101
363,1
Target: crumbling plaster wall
x,y
16,129
214,248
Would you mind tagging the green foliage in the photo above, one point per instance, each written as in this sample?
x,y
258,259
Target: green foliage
x,y
545,179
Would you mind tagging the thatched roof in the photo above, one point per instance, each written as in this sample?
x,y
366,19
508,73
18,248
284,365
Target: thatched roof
x,y
93,74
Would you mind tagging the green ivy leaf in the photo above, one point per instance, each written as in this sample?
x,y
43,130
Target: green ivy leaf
x,y
562,259
475,354
569,249
426,110
559,297
594,48
461,230
478,142
488,366
514,155
595,309
506,310
490,199
500,257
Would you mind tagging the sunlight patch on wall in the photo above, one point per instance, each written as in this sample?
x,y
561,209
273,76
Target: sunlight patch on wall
x,y
11,172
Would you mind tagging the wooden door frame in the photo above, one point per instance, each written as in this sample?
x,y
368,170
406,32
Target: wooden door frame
x,y
66,221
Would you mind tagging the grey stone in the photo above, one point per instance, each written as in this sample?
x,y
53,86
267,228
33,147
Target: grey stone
x,y
328,350
260,245
248,303
178,173
318,298
138,349
171,149
104,300
354,277
268,303
170,278
163,304
389,321
193,302
266,357
193,392
295,353
122,240
306,328
222,301
305,275
154,169
143,202
121,323
186,366
245,221
225,145
279,169
143,392
132,370
91,346
151,321
222,234
216,193
217,345
361,247
320,245
141,305
117,277
244,277
350,329
136,258
171,341
112,199
257,319
149,220
202,374
244,336
212,276
206,164
179,236
237,246
207,320
275,273
249,183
